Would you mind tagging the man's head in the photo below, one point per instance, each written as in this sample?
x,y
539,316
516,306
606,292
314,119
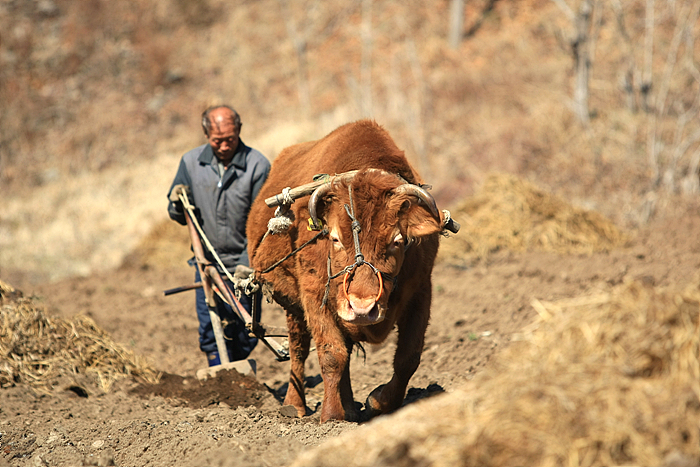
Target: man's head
x,y
222,127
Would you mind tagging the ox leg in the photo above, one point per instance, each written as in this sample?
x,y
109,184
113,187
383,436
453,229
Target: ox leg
x,y
346,396
299,344
333,357
411,329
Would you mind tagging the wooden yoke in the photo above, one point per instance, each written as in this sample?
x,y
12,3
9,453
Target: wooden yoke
x,y
304,190
289,195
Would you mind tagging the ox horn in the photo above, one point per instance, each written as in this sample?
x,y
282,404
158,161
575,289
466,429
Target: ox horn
x,y
322,191
422,195
318,193
406,188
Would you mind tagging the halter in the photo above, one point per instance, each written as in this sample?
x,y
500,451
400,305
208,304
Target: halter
x,y
359,258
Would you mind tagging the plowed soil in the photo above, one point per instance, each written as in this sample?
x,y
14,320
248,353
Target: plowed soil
x,y
479,306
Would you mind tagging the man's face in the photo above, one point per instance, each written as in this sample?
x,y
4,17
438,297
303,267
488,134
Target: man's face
x,y
223,136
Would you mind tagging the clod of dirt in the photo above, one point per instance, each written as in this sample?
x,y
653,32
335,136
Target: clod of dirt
x,y
227,387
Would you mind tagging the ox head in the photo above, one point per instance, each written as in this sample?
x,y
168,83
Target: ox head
x,y
374,218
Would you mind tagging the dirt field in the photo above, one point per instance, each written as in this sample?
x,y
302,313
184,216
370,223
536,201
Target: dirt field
x,y
234,420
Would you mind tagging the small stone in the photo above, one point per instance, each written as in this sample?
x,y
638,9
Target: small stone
x,y
289,411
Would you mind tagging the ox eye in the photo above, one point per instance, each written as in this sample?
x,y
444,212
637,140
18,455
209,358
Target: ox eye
x,y
399,241
336,242
335,238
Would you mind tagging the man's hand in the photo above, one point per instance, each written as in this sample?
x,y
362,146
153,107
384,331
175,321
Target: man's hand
x,y
177,191
242,272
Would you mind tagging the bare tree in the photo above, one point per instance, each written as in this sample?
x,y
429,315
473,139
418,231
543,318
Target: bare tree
x,y
674,108
309,23
457,29
647,77
300,41
366,61
581,53
456,22
668,89
629,74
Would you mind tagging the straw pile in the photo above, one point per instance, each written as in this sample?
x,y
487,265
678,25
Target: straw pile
x,y
41,351
604,380
167,245
610,379
509,213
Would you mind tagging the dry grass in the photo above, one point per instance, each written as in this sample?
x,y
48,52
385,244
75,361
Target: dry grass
x,y
510,213
620,388
166,246
40,351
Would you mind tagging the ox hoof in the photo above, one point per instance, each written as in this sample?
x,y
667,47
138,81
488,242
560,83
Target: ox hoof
x,y
354,413
372,405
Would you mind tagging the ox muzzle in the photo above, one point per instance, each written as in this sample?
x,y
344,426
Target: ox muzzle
x,y
360,310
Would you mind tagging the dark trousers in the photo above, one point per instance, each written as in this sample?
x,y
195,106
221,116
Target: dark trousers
x,y
238,342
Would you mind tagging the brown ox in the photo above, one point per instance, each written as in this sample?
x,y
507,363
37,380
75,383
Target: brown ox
x,y
389,284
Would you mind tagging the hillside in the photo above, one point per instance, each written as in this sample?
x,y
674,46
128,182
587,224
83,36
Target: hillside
x,y
99,100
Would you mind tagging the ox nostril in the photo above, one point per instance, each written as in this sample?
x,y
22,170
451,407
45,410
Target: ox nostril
x,y
361,311
374,313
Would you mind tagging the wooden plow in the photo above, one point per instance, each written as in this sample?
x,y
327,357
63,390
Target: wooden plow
x,y
216,288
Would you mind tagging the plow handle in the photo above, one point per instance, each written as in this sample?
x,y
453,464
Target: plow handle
x,y
183,288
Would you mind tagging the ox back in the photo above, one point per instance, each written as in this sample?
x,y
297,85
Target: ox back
x,y
366,273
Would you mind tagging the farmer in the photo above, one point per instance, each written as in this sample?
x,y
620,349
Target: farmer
x,y
221,178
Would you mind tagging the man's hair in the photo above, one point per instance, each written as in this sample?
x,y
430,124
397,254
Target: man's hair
x,y
206,121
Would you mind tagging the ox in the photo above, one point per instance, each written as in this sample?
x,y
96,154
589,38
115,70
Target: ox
x,y
367,271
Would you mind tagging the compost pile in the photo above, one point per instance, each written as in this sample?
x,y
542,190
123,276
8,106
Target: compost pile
x,y
511,213
47,352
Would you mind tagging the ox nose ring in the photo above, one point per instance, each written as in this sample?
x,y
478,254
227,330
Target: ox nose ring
x,y
379,277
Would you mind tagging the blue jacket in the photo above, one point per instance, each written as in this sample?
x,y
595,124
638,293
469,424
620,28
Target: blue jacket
x,y
223,202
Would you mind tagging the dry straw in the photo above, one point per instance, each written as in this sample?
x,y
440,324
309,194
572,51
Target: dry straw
x,y
510,213
40,351
167,245
611,379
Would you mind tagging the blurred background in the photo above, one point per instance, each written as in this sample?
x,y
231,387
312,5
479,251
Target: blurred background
x,y
596,101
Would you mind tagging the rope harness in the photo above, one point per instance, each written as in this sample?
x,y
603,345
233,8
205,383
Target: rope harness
x,y
359,258
348,270
281,222
323,232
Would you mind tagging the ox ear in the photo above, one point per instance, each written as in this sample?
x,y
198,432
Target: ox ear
x,y
419,220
